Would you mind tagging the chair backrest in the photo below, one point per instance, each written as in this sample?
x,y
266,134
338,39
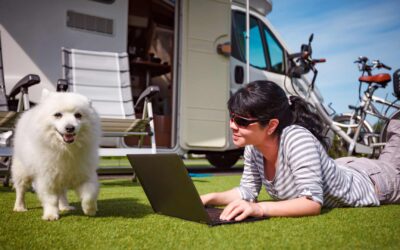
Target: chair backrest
x,y
3,97
103,77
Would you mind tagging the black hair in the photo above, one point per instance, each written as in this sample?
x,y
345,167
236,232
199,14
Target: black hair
x,y
266,100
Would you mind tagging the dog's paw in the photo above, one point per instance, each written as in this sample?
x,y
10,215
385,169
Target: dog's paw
x,y
90,211
89,208
50,217
20,209
66,208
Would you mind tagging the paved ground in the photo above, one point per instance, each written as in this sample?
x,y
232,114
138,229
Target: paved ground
x,y
215,171
126,172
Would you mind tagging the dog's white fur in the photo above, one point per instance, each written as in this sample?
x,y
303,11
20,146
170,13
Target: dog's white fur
x,y
53,158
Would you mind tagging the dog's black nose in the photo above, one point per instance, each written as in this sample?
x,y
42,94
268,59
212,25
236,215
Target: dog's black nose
x,y
70,128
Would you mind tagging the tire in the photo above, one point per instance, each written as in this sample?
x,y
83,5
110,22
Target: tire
x,y
340,146
395,116
223,160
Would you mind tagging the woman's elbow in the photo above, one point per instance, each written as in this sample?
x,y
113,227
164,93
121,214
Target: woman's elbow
x,y
315,208
311,207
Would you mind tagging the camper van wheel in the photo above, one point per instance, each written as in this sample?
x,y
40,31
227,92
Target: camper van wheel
x,y
223,160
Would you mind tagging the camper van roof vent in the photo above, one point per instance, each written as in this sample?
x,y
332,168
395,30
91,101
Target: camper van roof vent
x,y
89,23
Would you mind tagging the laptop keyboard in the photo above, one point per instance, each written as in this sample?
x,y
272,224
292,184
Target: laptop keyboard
x,y
214,213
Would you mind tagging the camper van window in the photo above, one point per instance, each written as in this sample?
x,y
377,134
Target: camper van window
x,y
275,52
257,52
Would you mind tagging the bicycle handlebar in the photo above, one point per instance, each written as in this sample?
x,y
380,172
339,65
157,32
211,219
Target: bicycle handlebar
x,y
361,59
322,60
379,65
368,67
302,55
305,56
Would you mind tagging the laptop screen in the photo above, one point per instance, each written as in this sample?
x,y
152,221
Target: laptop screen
x,y
168,186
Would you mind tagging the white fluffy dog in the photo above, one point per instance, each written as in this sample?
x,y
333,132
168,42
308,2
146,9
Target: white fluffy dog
x,y
56,148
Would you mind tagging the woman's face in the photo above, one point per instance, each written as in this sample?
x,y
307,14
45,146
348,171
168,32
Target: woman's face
x,y
253,134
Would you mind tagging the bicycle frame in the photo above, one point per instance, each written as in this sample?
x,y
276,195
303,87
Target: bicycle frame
x,y
376,99
357,147
311,97
305,63
367,107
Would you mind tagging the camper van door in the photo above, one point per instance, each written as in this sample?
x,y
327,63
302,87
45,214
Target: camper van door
x,y
205,76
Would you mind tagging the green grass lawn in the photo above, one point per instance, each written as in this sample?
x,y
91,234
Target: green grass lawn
x,y
125,221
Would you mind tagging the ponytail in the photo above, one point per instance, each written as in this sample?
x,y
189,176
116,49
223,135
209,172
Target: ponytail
x,y
305,117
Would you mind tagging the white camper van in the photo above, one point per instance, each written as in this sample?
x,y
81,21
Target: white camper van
x,y
201,41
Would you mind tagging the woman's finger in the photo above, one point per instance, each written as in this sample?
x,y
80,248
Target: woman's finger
x,y
235,212
243,215
228,209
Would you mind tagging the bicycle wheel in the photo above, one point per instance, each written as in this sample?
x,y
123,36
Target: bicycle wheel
x,y
395,116
340,146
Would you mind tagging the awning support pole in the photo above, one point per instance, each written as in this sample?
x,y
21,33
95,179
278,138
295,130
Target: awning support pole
x,y
247,42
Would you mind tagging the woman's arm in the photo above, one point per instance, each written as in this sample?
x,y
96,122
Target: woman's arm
x,y
249,188
241,209
221,198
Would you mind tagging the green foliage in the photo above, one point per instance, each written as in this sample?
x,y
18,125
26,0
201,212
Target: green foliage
x,y
337,150
125,221
377,127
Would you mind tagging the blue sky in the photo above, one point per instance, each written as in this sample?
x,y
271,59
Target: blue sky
x,y
343,30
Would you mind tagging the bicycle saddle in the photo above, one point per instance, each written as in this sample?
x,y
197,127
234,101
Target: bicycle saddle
x,y
381,79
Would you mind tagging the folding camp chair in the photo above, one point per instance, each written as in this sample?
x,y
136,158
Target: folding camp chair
x,y
104,78
10,108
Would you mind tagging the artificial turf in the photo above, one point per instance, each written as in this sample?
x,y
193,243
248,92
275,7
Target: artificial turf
x,y
125,220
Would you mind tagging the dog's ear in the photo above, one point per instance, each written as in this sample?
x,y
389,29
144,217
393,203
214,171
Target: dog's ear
x,y
45,94
88,100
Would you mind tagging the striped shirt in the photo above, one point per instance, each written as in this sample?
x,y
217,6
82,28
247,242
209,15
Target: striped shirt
x,y
305,169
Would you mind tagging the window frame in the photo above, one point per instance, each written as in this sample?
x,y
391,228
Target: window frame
x,y
242,53
239,55
264,26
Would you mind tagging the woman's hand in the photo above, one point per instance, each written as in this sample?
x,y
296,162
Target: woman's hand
x,y
241,209
206,198
220,198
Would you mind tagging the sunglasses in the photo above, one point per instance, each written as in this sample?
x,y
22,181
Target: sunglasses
x,y
242,121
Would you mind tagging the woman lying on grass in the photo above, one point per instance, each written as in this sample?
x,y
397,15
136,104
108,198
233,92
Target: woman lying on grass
x,y
285,152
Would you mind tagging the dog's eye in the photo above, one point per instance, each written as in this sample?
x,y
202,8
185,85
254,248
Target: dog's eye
x,y
57,115
78,115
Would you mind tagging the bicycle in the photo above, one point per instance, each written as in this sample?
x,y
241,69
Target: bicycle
x,y
366,133
354,131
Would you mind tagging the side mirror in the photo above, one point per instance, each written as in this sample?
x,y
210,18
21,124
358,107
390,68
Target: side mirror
x,y
296,71
306,48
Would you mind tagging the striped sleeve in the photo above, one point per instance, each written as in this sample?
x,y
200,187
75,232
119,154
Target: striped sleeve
x,y
305,163
250,183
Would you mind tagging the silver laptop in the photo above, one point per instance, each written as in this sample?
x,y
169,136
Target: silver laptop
x,y
170,189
